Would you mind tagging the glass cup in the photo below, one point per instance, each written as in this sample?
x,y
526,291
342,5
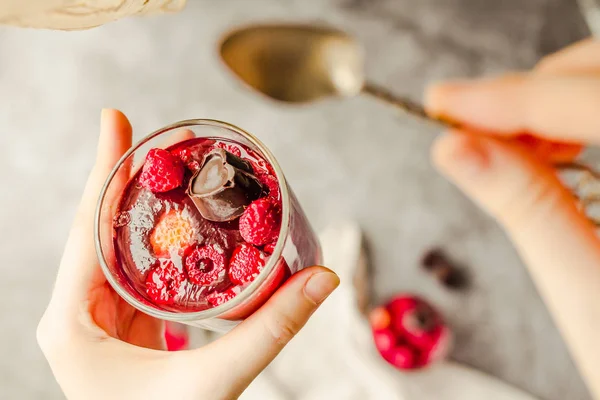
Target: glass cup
x,y
296,248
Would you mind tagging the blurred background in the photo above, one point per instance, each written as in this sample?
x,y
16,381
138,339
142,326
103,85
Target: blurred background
x,y
351,158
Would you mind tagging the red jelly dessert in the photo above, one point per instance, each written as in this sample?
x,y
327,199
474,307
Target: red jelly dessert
x,y
409,333
202,232
199,216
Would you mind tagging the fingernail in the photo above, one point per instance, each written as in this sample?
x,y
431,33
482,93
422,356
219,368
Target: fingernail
x,y
439,97
104,122
321,285
461,156
103,115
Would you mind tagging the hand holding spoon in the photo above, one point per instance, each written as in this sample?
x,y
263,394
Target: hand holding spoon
x,y
299,63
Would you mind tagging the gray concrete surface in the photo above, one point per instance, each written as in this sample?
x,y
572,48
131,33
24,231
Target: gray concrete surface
x,y
163,69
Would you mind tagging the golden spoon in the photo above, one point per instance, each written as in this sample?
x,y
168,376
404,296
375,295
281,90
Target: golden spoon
x,y
298,63
302,63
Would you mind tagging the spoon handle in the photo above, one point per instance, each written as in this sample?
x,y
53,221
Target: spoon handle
x,y
587,173
406,105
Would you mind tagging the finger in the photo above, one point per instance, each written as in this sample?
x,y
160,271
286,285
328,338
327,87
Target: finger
x,y
147,332
79,262
580,58
558,108
250,347
550,152
178,136
556,241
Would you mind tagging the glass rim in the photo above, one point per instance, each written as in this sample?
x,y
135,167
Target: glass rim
x,y
248,290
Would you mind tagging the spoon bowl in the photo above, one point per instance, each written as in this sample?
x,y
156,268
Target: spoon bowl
x,y
295,63
300,63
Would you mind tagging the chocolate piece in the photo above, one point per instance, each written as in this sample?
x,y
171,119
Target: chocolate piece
x,y
223,186
445,271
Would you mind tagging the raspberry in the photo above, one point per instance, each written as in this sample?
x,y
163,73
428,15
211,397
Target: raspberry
x,y
188,157
409,333
401,357
184,154
231,148
416,322
380,318
260,165
384,340
173,232
270,182
162,171
439,348
163,283
400,304
246,263
205,265
217,298
270,248
260,222
193,166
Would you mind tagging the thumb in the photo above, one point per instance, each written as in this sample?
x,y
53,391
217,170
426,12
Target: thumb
x,y
250,347
556,241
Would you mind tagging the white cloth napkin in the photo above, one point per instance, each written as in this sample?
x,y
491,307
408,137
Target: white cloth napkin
x,y
334,357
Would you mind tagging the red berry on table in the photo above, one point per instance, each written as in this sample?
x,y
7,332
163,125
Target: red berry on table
x,y
205,265
420,336
246,263
380,318
439,347
260,223
385,340
163,283
400,304
401,357
417,322
162,171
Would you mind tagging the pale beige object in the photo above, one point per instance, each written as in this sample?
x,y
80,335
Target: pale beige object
x,y
78,14
334,356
